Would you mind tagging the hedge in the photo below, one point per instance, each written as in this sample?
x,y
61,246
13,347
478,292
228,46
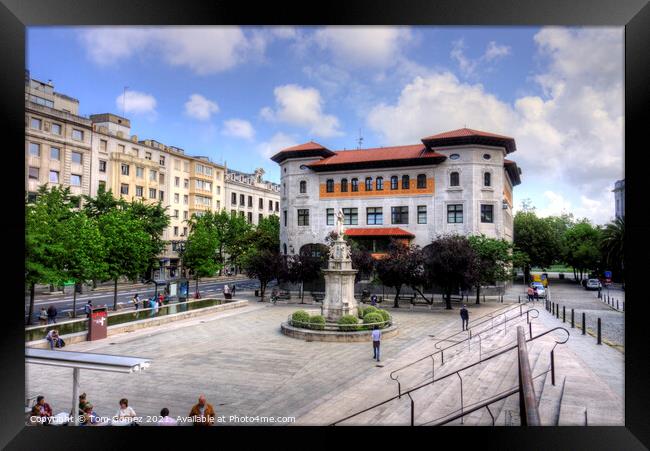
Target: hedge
x,y
317,322
348,323
300,317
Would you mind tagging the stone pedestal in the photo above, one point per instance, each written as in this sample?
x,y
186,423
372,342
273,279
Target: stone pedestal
x,y
339,283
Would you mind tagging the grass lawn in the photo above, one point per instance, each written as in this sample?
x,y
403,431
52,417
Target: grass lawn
x,y
554,268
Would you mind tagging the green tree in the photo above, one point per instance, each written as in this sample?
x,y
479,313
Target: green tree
x,y
103,203
155,220
264,265
494,259
43,252
237,239
612,245
396,267
452,264
537,239
582,244
127,246
302,268
200,255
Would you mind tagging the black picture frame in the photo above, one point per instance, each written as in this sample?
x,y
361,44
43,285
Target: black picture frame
x,y
634,15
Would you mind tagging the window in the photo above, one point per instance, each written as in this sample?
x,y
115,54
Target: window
x,y
186,166
177,181
233,213
303,187
379,184
54,176
250,217
33,173
250,201
103,145
162,160
139,191
487,179
260,217
185,215
102,165
161,195
136,152
152,193
77,134
355,185
139,172
56,129
455,213
284,247
261,204
77,158
285,217
36,123
368,183
153,175
277,206
125,169
242,214
393,182
186,199
329,215
486,156
184,231
344,185
147,155
177,164
422,181
405,182
487,213
329,184
186,183
454,179
218,190
454,156
175,214
242,200
41,101
55,153
75,180
161,179
233,198
102,186
121,148
422,214
175,230
400,215
124,189
374,216
350,216
177,198
270,205
303,217
35,149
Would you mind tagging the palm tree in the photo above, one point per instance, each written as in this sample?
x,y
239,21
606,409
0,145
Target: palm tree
x,y
612,245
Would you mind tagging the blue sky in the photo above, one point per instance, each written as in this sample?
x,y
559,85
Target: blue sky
x,y
239,94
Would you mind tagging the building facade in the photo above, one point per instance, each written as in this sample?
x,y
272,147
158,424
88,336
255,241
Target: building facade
x,y
87,154
619,198
454,182
251,197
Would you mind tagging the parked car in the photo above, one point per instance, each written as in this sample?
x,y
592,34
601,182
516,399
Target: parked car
x,y
593,284
541,292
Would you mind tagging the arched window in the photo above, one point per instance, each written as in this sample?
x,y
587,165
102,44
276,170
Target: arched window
x,y
379,183
329,184
454,179
487,179
422,181
303,187
344,185
393,182
405,182
368,183
355,185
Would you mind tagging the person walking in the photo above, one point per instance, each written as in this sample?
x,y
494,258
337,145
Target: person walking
x,y
202,413
88,308
166,420
226,292
464,316
234,289
531,294
376,342
535,293
136,300
42,317
51,314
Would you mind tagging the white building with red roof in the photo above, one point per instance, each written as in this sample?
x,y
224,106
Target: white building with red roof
x,y
453,182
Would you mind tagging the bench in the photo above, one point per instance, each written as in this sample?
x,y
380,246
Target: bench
x,y
284,295
318,296
367,300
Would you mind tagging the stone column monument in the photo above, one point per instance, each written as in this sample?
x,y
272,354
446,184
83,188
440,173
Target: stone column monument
x,y
339,278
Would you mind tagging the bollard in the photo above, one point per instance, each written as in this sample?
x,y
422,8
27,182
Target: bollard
x,y
530,329
623,305
563,314
483,299
552,368
617,304
519,299
599,337
572,319
557,312
502,299
584,327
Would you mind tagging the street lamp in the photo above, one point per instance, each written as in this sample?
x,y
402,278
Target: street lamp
x,y
180,249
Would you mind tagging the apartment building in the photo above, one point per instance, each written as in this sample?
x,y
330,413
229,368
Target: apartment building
x,y
250,196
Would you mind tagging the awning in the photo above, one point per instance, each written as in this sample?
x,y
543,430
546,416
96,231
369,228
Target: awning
x,y
379,232
86,360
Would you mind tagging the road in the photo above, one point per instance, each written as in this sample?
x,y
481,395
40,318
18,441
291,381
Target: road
x,y
63,303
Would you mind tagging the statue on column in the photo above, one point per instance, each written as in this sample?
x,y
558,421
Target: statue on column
x,y
339,224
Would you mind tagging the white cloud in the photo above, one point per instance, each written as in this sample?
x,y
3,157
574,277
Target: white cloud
x,y
205,50
200,108
135,102
238,128
302,107
468,67
495,51
277,142
599,211
365,46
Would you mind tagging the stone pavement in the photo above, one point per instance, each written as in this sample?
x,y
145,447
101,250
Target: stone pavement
x,y
239,359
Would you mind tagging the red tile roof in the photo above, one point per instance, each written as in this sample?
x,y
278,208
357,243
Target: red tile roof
x,y
379,231
378,154
311,145
462,132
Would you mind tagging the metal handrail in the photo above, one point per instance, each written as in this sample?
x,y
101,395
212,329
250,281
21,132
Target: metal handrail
x,y
411,390
441,351
527,400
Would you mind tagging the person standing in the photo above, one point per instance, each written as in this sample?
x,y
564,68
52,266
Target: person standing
x,y
51,314
373,300
202,413
166,420
531,294
42,317
464,316
136,300
376,342
88,308
535,293
234,289
161,298
226,292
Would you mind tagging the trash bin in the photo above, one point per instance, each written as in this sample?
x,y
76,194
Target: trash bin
x,y
98,324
